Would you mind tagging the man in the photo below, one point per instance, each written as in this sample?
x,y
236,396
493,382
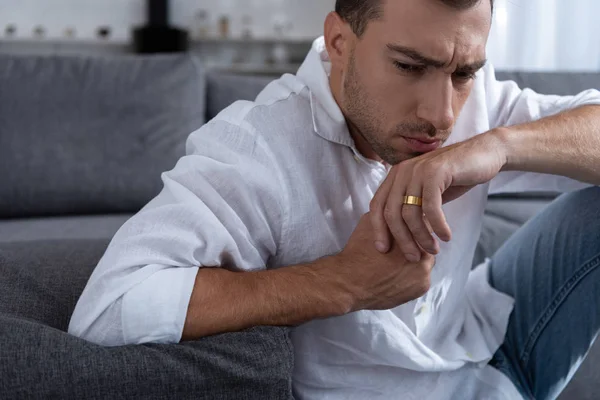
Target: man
x,y
394,112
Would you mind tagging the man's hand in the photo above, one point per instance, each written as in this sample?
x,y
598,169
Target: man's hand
x,y
437,177
357,278
376,281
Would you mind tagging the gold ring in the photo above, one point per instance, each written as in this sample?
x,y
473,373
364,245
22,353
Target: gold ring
x,y
413,200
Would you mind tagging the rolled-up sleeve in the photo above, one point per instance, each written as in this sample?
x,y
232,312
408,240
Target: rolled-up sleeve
x,y
220,207
510,105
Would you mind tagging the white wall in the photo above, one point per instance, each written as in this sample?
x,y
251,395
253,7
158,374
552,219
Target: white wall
x,y
546,35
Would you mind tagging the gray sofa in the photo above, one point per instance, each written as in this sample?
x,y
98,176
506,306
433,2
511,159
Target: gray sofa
x,y
83,141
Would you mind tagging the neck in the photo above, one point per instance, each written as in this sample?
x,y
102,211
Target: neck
x,y
361,144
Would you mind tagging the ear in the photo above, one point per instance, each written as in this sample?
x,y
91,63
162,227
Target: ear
x,y
338,38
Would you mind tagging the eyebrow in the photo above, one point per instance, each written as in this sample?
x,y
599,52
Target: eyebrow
x,y
430,62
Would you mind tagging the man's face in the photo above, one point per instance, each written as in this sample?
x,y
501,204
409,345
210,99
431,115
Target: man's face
x,y
405,80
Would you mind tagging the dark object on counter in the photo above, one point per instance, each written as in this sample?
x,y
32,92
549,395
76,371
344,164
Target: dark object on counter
x,y
157,36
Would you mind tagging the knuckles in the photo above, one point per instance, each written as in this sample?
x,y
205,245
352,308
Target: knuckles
x,y
424,285
390,215
375,206
411,214
429,208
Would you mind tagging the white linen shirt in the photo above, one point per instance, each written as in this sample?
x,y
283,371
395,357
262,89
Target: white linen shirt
x,y
279,182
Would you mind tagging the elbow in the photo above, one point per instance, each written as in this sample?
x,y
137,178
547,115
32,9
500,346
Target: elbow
x,y
103,329
152,310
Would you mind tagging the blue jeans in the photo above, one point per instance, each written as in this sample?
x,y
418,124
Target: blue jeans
x,y
551,267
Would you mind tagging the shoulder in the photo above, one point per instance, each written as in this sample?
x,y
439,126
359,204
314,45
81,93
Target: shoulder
x,y
280,114
283,106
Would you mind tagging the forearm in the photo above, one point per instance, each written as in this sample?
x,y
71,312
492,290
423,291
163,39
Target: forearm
x,y
224,301
567,144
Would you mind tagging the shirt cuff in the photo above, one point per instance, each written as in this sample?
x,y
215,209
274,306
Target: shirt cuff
x,y
154,311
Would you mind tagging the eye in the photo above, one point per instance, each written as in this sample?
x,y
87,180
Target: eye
x,y
408,68
464,76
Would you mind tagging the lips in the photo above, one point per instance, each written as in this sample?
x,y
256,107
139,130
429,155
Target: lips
x,y
422,145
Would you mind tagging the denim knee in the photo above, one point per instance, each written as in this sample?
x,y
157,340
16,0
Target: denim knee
x,y
580,208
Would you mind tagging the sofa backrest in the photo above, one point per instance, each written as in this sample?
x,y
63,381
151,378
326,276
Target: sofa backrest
x,y
87,135
559,83
223,88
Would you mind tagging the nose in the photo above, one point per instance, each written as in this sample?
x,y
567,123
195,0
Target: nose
x,y
436,104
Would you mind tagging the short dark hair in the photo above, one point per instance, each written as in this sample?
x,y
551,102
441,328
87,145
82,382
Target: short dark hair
x,y
358,13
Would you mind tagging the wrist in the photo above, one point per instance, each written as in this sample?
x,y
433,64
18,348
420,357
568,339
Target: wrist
x,y
331,287
502,144
297,294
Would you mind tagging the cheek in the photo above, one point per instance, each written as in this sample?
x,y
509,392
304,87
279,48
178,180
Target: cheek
x,y
397,99
389,97
460,98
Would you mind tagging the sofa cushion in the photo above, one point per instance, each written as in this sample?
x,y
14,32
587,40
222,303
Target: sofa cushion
x,y
61,228
42,280
40,283
92,134
38,362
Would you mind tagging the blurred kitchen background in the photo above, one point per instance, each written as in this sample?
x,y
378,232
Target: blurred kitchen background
x,y
273,36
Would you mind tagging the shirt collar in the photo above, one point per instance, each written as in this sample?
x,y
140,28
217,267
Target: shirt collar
x,y
328,119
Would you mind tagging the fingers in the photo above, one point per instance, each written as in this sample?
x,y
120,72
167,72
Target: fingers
x,y
415,221
383,239
394,217
432,208
412,227
428,261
